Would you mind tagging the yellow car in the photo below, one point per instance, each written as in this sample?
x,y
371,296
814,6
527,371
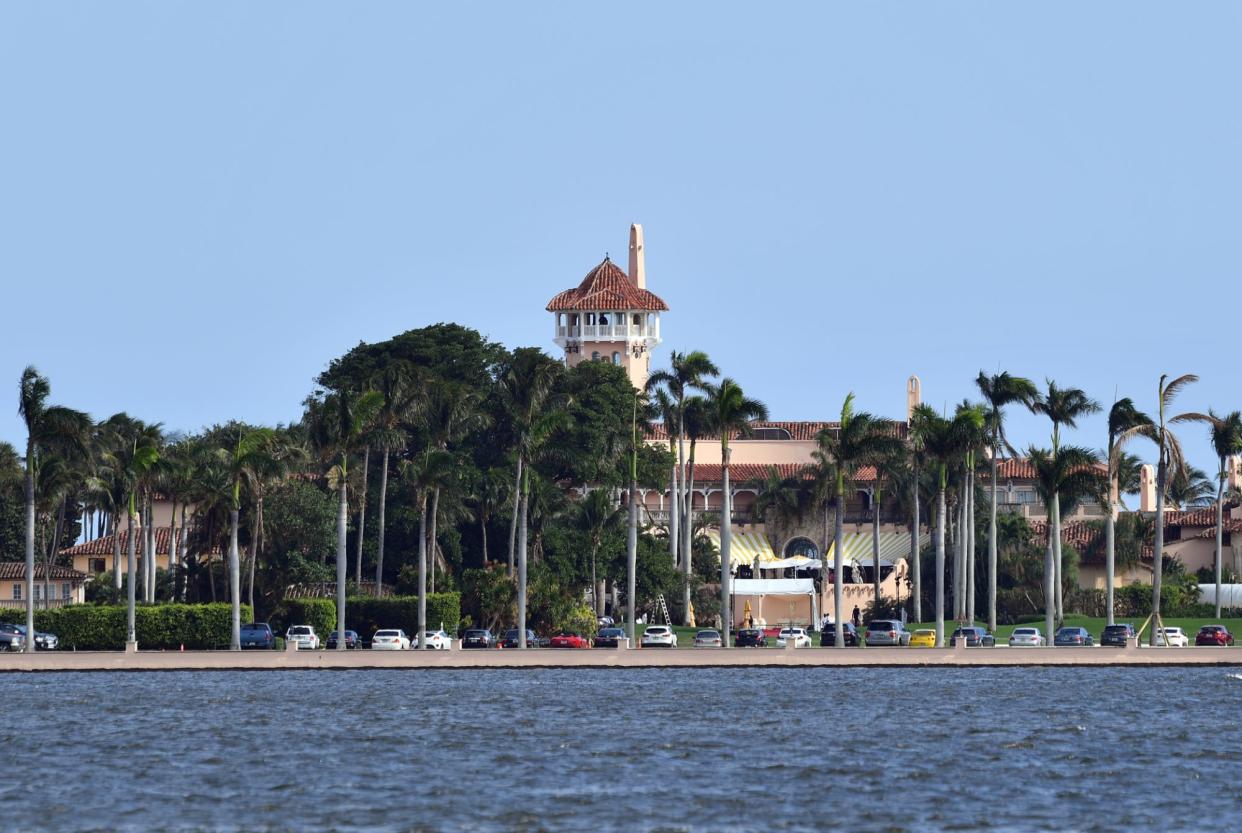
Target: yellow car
x,y
923,638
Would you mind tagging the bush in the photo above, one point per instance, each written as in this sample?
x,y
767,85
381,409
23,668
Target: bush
x,y
320,614
166,626
367,614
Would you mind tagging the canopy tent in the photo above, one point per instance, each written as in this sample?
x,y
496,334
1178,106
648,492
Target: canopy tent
x,y
745,547
761,587
800,561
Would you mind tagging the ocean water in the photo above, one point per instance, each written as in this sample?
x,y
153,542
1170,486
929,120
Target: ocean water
x,y
851,750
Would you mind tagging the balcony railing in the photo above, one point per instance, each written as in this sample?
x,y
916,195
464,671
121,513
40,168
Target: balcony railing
x,y
607,332
40,604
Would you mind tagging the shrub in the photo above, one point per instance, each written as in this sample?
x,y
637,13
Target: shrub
x,y
367,614
165,626
320,614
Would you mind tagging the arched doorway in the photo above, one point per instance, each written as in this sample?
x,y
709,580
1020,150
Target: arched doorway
x,y
801,546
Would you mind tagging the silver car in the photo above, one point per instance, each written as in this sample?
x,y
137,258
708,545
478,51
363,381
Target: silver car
x,y
886,632
1027,638
707,639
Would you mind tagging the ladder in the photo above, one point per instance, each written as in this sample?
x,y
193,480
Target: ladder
x,y
663,610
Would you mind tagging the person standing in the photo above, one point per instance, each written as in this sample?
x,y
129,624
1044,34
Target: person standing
x,y
857,617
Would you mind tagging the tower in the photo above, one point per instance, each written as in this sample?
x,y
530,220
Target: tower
x,y
611,316
914,396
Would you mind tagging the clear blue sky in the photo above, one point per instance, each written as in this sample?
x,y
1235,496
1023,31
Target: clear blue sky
x,y
203,203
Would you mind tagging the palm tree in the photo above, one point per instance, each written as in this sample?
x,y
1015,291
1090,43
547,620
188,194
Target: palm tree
x,y
1122,417
248,458
1129,475
339,423
888,469
431,470
449,411
731,412
974,427
595,515
1063,406
1226,435
696,418
398,386
667,410
1072,472
1190,487
999,390
858,440
133,457
1170,457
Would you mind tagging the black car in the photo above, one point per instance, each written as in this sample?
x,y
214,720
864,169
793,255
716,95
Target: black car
x,y
976,637
351,640
1072,637
13,638
510,639
607,638
257,635
750,638
828,636
1116,635
477,638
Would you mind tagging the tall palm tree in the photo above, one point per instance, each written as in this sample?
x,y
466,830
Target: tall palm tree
x,y
858,439
1122,417
696,419
732,411
973,424
133,457
46,426
999,390
339,424
889,468
431,470
1170,461
1072,472
248,458
1063,406
398,384
449,411
1190,487
667,410
596,515
1226,433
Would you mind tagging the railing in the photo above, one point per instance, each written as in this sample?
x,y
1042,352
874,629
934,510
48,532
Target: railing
x,y
607,332
40,604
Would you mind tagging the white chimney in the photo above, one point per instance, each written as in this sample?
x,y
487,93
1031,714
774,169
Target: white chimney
x,y
1147,488
914,395
638,267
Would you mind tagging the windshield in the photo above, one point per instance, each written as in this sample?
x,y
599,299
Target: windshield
x,y
300,630
385,633
1024,632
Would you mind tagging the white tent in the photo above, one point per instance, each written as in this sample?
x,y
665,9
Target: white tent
x,y
761,587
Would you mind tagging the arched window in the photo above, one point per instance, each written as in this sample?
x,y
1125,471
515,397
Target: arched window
x,y
595,356
616,358
770,433
801,546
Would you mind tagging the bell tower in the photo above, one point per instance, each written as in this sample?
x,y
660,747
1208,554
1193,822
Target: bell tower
x,y
611,316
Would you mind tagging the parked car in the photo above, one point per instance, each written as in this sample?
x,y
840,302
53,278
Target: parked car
x,y
351,640
708,639
435,640
976,637
828,636
606,621
11,638
477,638
1172,637
1072,638
303,636
1026,637
607,638
510,639
658,636
1116,635
258,635
750,638
923,638
392,639
1214,635
886,632
796,635
569,639
43,641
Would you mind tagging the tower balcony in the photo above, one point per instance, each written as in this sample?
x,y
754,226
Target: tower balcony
x,y
608,332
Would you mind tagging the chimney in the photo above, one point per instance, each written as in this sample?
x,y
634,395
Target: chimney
x,y
1233,473
914,396
638,267
1147,488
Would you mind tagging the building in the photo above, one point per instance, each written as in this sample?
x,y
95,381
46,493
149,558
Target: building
x,y
96,556
62,587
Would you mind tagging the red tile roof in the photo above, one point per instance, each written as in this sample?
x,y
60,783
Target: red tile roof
x,y
606,287
17,570
103,546
1233,527
802,431
1018,468
1200,516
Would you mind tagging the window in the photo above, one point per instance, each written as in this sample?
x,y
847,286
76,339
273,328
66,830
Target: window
x,y
38,592
595,356
97,565
17,592
638,320
801,546
65,591
603,319
616,358
769,434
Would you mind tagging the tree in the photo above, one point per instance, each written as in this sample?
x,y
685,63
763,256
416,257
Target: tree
x,y
248,455
999,390
859,439
1226,433
1122,417
595,515
696,421
1063,406
889,468
1190,487
731,412
47,426
398,384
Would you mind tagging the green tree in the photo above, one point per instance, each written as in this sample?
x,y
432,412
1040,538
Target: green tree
x,y
1226,434
1122,417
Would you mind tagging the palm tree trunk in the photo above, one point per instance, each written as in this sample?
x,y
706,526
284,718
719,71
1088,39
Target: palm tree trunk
x,y
1110,538
1220,530
726,539
183,561
116,553
673,518
1049,591
992,546
431,536
483,535
838,569
940,522
379,544
687,540
631,559
599,605
235,584
1056,550
916,553
521,564
131,597
362,516
970,545
513,521
875,549
1162,472
255,543
342,560
422,569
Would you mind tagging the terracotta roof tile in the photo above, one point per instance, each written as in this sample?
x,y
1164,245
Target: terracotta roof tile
x,y
17,570
606,287
1200,516
103,545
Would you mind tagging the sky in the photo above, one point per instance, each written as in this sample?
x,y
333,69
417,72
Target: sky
x,y
201,204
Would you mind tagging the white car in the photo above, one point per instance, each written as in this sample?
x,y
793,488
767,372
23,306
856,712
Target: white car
x,y
390,640
436,640
798,635
1172,637
303,636
658,636
1027,638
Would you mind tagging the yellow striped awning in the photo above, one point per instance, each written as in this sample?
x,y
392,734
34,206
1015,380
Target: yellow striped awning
x,y
893,546
744,547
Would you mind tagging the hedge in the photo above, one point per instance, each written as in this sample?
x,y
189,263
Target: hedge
x,y
366,614
166,626
320,614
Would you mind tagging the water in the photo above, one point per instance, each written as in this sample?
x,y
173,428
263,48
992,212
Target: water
x,y
851,750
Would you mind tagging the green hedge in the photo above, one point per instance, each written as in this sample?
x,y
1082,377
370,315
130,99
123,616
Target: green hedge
x,y
167,626
320,614
366,614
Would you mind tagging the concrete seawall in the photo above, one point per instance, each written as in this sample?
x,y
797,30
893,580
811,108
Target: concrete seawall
x,y
606,658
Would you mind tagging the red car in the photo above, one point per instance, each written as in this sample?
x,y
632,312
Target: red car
x,y
1217,635
569,639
